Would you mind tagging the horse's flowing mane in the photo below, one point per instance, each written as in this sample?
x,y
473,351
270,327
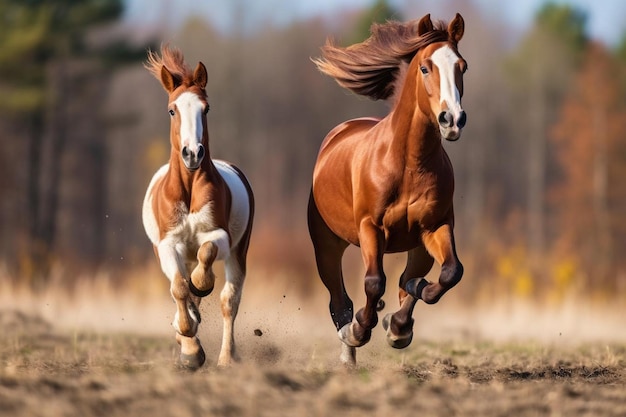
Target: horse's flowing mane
x,y
173,60
371,68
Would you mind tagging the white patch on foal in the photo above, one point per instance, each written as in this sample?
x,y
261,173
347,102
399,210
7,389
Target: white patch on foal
x,y
181,243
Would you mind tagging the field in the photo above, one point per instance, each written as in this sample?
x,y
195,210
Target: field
x,y
88,356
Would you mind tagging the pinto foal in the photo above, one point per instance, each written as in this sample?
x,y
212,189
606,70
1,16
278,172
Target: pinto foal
x,y
196,211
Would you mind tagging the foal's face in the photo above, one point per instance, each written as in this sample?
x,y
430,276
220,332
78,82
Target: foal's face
x,y
441,70
188,117
188,107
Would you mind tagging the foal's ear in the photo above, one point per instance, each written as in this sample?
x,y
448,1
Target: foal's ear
x,y
456,28
200,75
425,25
169,80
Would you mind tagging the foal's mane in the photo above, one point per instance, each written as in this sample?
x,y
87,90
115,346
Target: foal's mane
x,y
172,59
372,67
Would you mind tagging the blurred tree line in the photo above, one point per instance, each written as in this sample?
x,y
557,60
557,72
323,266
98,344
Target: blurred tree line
x,y
539,192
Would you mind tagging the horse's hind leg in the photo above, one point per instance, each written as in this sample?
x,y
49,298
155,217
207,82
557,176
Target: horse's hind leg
x,y
329,249
399,325
359,331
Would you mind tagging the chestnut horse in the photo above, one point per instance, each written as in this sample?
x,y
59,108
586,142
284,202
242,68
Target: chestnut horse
x,y
196,210
386,185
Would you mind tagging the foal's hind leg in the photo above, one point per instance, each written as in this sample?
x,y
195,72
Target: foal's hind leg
x,y
230,297
399,325
329,249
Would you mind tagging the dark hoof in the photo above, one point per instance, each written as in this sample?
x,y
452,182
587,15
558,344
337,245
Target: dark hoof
x,y
395,341
398,342
192,362
198,292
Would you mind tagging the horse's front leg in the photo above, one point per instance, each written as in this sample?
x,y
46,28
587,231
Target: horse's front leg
x,y
359,331
440,244
399,325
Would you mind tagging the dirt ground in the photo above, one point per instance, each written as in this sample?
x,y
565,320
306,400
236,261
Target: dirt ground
x,y
59,358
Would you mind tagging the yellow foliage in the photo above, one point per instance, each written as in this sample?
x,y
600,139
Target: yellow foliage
x,y
563,279
512,267
157,154
524,284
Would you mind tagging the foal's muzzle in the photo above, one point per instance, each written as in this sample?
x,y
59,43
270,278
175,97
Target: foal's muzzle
x,y
451,126
192,159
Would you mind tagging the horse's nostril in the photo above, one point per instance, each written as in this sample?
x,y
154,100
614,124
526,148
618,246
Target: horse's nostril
x,y
200,151
462,120
445,119
185,152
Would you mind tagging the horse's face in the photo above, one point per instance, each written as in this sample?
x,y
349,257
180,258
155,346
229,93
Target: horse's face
x,y
440,70
187,108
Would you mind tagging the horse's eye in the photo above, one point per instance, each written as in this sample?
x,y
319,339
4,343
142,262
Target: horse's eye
x,y
171,112
206,109
424,70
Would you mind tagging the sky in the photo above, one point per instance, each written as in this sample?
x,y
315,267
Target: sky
x,y
606,18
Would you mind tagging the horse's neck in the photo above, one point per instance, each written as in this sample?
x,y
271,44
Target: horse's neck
x,y
414,133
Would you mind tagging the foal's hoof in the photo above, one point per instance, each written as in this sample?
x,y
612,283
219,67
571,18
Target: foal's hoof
x,y
396,341
192,362
202,282
199,292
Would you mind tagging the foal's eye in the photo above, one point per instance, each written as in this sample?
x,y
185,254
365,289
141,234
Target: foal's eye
x,y
171,112
206,109
424,70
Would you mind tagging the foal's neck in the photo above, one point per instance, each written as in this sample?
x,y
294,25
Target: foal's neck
x,y
185,179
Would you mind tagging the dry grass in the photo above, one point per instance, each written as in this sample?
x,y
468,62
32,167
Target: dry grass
x,y
98,349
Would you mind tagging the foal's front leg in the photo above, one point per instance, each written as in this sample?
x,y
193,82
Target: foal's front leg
x,y
172,262
202,277
187,316
214,245
359,331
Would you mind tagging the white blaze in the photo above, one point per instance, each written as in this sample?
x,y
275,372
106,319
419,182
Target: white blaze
x,y
445,59
190,108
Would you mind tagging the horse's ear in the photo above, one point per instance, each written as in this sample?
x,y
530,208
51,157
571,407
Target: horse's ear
x,y
425,25
456,28
169,81
200,76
